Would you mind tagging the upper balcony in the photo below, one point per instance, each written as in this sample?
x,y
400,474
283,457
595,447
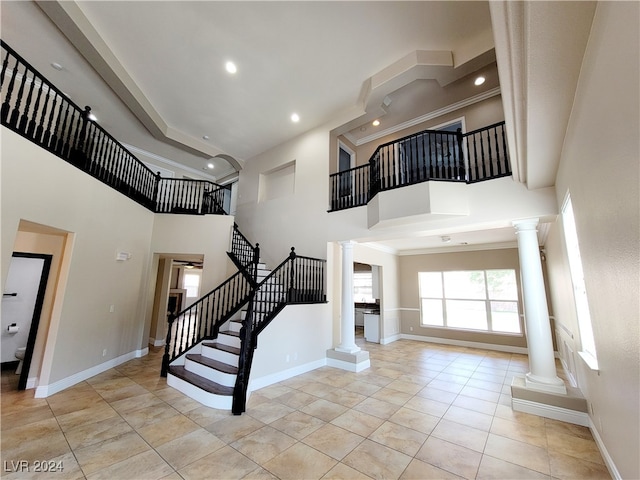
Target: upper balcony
x,y
430,155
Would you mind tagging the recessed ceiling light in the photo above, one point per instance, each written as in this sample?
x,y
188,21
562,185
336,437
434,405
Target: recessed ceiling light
x,y
376,123
231,67
206,137
57,66
93,118
295,118
479,81
210,165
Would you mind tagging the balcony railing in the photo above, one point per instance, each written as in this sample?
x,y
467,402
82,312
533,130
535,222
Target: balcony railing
x,y
34,108
428,155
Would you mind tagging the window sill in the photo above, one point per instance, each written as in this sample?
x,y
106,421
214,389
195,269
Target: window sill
x,y
590,360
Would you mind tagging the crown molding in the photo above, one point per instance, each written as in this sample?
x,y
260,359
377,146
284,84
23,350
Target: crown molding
x,y
166,161
426,117
460,248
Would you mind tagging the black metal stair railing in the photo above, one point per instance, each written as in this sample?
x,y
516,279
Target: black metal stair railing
x,y
203,319
243,253
428,155
40,112
297,280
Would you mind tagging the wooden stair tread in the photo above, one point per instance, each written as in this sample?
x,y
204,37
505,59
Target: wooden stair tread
x,y
200,382
211,363
231,333
220,346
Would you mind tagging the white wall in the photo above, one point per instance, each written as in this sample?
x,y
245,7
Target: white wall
x,y
600,167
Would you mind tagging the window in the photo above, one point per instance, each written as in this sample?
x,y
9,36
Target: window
x,y
485,300
191,283
587,341
363,287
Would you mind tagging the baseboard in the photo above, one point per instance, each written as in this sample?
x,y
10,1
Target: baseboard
x,y
43,391
608,461
463,343
391,339
31,382
550,411
156,342
267,380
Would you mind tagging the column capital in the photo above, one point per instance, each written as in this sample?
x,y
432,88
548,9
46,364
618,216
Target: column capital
x,y
347,243
526,224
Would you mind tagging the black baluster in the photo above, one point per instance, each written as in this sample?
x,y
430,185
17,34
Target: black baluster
x,y
25,114
6,105
36,109
5,63
15,113
506,152
61,130
498,163
48,140
490,155
43,116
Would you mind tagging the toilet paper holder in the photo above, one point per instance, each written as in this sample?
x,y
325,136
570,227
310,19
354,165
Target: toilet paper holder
x,y
13,328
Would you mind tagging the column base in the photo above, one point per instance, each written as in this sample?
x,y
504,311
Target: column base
x,y
353,362
568,407
353,349
547,385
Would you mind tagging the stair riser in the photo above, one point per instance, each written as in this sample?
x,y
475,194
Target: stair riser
x,y
226,379
233,326
221,356
229,340
212,400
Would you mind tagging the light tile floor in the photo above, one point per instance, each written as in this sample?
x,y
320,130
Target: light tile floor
x,y
422,411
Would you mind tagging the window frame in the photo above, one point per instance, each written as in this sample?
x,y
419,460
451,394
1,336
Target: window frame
x,y
487,304
588,351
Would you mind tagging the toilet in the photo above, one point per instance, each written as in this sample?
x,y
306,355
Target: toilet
x,y
20,356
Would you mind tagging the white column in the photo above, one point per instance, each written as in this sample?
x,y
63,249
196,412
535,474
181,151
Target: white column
x,y
347,317
542,367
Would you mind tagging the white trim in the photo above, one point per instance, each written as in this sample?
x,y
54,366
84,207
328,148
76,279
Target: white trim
x,y
429,116
31,382
352,154
350,367
464,343
608,461
166,161
589,359
267,380
43,391
156,343
460,248
550,411
391,339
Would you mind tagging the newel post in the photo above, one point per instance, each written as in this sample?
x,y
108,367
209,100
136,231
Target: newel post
x,y
167,347
292,274
156,192
460,162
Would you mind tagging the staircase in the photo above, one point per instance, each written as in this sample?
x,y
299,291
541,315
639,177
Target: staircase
x,y
209,346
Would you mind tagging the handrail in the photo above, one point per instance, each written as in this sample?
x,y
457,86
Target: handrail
x,y
203,318
297,280
479,155
40,112
243,253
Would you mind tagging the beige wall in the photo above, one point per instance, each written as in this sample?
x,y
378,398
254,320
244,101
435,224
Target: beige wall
x,y
410,265
41,188
600,168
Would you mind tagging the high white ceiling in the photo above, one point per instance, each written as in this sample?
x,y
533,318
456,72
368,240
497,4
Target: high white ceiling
x,y
154,73
165,61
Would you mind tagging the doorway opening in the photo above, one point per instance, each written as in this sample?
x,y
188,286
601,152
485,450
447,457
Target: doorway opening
x,y
22,303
